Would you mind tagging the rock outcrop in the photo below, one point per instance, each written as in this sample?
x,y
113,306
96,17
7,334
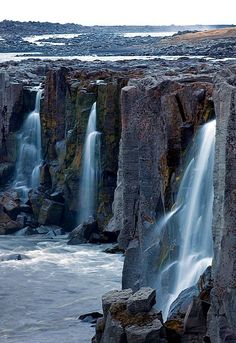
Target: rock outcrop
x,y
222,315
129,317
158,120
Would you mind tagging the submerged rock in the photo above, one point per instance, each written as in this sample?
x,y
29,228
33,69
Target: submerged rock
x,y
91,317
13,257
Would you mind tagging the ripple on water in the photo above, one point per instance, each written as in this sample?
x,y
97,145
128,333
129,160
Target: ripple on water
x,y
42,297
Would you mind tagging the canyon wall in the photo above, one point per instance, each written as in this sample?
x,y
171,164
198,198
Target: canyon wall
x,y
159,119
222,314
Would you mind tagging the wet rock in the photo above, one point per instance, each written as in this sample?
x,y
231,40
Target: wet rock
x,y
51,212
7,225
195,320
180,306
142,300
84,233
13,257
114,250
91,317
115,297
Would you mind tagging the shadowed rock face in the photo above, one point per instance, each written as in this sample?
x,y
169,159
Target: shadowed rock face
x,y
222,316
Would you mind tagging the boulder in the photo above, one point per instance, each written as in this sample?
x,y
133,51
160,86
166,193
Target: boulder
x,y
142,300
51,212
115,297
7,225
91,317
11,203
84,233
35,201
180,306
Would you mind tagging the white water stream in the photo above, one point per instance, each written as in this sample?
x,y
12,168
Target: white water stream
x,y
192,221
90,169
29,156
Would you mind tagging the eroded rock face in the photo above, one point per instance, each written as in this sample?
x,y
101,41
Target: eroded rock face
x,y
158,120
69,96
222,315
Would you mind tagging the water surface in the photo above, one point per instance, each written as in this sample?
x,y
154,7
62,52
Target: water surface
x,y
42,296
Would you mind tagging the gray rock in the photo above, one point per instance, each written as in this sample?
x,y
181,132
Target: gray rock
x,y
115,297
180,306
149,333
114,332
84,233
195,320
142,300
51,212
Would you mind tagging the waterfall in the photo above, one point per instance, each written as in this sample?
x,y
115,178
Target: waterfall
x,y
29,155
90,169
191,220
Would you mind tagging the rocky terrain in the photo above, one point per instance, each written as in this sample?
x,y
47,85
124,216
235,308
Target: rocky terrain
x,y
148,113
105,41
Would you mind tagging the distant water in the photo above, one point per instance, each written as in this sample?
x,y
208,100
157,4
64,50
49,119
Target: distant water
x,y
29,158
90,169
146,34
41,297
37,39
190,221
21,56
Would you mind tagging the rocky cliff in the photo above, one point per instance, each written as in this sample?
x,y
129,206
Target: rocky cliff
x,y
222,315
147,120
159,119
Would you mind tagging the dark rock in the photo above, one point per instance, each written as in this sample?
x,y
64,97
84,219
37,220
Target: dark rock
x,y
51,212
7,225
142,300
114,250
91,317
11,203
6,171
150,333
84,233
13,257
113,332
180,306
195,319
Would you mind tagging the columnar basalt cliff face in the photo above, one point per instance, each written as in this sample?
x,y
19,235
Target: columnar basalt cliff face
x,y
222,315
158,120
67,102
15,101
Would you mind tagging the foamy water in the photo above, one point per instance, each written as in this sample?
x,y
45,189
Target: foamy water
x,y
42,296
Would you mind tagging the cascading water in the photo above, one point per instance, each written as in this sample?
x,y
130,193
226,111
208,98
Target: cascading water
x,y
29,161
90,169
191,219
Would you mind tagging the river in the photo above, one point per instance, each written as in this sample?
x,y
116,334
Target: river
x,y
42,295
